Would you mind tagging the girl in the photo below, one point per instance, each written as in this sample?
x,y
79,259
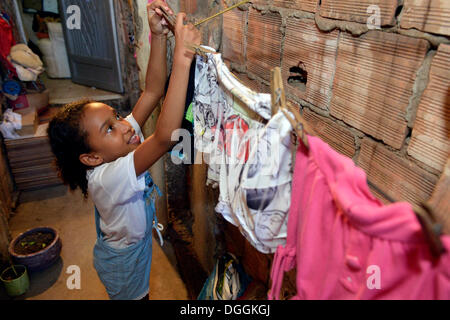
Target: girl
x,y
98,150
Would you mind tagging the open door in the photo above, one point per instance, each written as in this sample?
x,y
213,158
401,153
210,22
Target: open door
x,y
92,45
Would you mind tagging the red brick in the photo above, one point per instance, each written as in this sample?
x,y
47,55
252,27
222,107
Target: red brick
x,y
427,15
430,141
263,43
338,137
305,43
233,35
398,177
304,5
252,84
356,10
375,74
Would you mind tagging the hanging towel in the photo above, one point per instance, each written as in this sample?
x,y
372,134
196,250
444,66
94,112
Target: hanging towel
x,y
346,244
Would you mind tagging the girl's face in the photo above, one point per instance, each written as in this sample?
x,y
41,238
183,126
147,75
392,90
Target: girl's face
x,y
109,135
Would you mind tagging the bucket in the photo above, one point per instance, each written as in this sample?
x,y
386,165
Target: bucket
x,y
18,286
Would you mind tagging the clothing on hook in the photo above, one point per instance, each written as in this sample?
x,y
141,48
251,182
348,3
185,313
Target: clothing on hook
x,y
346,244
279,103
431,228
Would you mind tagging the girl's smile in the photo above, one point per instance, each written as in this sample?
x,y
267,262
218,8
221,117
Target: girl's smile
x,y
109,135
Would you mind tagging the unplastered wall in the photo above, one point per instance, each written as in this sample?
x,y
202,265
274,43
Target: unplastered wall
x,y
371,76
377,85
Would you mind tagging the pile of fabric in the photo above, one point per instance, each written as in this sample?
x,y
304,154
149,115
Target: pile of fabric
x,y
28,65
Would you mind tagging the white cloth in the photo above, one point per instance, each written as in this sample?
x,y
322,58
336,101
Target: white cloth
x,y
118,195
11,122
251,161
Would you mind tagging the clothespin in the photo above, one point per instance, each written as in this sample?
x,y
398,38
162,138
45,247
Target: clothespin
x,y
431,228
170,18
199,50
277,89
298,123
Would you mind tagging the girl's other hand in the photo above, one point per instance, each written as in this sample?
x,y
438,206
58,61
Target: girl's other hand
x,y
158,25
185,34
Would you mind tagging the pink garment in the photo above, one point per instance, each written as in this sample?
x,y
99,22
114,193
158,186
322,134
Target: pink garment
x,y
346,244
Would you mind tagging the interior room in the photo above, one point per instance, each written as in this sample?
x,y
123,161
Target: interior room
x,y
312,159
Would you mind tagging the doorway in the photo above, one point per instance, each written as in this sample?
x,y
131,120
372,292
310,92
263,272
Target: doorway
x,y
79,63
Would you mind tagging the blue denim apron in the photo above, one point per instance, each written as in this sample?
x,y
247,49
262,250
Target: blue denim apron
x,y
125,272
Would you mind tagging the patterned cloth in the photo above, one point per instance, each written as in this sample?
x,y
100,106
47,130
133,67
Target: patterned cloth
x,y
248,157
125,272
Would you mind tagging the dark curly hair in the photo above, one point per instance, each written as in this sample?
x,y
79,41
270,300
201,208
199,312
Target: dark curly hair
x,y
68,141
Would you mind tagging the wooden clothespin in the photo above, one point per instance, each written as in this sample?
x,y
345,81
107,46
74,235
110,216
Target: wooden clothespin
x,y
170,18
431,228
277,89
199,50
298,123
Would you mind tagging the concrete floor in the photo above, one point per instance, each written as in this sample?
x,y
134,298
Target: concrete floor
x,y
73,217
63,91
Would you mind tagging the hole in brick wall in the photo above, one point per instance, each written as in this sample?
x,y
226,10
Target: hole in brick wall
x,y
398,11
298,76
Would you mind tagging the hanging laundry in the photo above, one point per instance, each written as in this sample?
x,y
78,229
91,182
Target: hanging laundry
x,y
248,159
346,244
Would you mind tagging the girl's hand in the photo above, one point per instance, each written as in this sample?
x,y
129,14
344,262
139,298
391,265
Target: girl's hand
x,y
185,34
158,25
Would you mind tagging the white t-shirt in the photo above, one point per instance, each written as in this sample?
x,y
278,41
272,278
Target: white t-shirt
x,y
118,195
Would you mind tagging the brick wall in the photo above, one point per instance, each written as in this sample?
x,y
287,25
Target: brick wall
x,y
377,91
379,94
